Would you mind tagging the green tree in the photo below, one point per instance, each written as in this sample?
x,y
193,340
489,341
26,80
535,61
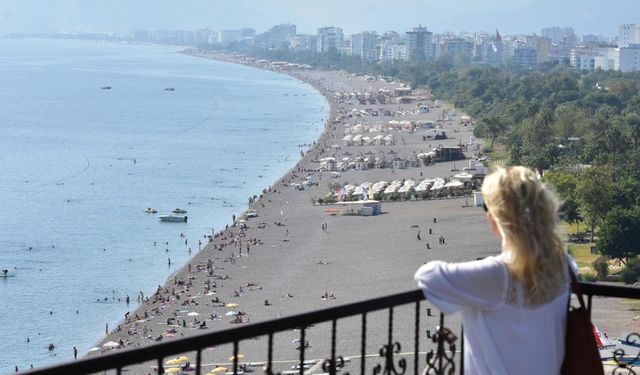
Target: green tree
x,y
631,272
538,146
633,124
619,236
494,125
601,265
594,192
565,185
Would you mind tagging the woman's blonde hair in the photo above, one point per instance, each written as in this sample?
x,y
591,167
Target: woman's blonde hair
x,y
526,212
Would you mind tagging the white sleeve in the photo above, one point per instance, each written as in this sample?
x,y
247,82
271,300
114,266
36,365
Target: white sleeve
x,y
450,287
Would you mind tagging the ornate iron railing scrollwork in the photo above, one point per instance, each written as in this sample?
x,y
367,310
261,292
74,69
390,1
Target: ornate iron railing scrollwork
x,y
328,366
624,364
387,352
442,361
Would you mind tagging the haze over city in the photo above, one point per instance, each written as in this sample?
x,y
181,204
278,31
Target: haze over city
x,y
517,16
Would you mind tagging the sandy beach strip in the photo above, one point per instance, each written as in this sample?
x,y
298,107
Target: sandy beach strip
x,y
286,257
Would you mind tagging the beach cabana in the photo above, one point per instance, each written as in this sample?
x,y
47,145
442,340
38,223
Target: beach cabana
x,y
347,139
379,186
463,176
454,184
388,140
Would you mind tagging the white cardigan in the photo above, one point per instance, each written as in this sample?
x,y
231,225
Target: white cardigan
x,y
502,335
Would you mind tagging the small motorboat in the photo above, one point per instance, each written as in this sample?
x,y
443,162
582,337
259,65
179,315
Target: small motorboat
x,y
150,210
169,89
173,218
179,211
251,213
106,87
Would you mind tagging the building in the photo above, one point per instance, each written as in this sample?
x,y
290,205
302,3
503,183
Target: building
x,y
591,58
365,45
248,32
420,44
628,34
459,49
557,34
493,51
543,49
525,56
229,36
279,36
205,36
629,58
391,47
304,42
329,38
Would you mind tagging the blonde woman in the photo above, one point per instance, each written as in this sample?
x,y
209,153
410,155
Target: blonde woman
x,y
513,305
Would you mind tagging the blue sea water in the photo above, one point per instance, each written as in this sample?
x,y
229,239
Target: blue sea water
x,y
79,164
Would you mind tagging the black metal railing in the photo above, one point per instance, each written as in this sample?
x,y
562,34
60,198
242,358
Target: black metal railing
x,y
441,354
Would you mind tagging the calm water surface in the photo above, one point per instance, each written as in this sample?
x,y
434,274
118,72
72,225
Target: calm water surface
x,y
79,164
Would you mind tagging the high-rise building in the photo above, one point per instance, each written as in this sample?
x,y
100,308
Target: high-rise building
x,y
557,34
392,47
525,56
543,48
279,36
229,36
329,38
628,34
303,42
630,58
493,50
364,45
420,44
460,49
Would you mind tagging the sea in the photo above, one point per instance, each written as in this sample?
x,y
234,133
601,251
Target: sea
x,y
92,134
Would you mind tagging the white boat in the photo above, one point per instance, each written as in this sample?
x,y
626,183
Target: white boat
x,y
179,211
173,218
251,213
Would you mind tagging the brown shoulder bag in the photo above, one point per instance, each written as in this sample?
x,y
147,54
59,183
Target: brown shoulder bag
x,y
581,354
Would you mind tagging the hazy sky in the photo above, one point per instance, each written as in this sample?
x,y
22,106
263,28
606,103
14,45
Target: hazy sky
x,y
510,16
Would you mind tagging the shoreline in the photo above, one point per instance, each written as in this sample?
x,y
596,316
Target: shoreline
x,y
284,257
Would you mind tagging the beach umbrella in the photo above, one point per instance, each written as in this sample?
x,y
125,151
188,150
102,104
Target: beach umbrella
x,y
234,357
193,313
232,305
111,345
218,370
231,313
177,361
174,362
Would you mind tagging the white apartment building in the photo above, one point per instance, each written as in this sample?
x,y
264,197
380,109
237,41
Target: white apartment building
x,y
628,34
365,45
630,58
229,36
420,44
328,38
585,58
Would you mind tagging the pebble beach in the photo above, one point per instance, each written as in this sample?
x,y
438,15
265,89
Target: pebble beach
x,y
293,256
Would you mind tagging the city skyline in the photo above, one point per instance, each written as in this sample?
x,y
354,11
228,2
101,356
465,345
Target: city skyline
x,y
515,17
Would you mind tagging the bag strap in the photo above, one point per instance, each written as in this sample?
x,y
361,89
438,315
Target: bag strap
x,y
575,287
